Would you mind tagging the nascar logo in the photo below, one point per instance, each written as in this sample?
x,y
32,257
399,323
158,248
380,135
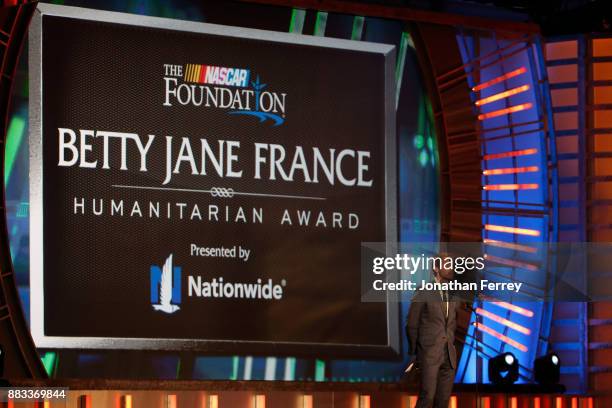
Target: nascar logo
x,y
210,74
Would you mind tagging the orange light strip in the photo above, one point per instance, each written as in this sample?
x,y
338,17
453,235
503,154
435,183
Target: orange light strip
x,y
125,401
502,95
558,402
501,337
536,402
513,402
505,111
453,402
260,401
499,79
513,308
513,153
171,401
510,245
307,401
85,401
512,230
501,320
510,170
486,402
507,187
511,262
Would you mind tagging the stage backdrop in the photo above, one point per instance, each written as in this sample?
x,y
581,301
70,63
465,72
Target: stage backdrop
x,y
207,187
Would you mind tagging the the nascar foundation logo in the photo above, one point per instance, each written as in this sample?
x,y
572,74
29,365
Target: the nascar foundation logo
x,y
233,89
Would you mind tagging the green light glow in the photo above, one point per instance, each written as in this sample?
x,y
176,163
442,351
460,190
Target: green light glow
x,y
319,370
358,23
320,23
290,369
296,25
429,119
235,363
418,141
423,158
49,361
14,136
178,369
399,67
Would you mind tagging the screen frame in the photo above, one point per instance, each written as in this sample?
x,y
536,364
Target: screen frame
x,y
392,350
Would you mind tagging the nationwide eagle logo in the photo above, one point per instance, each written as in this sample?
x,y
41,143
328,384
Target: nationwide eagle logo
x,y
166,287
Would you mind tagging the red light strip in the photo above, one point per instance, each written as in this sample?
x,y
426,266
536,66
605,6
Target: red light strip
x,y
510,245
513,153
510,170
502,95
513,308
505,111
501,337
507,187
512,230
501,320
499,79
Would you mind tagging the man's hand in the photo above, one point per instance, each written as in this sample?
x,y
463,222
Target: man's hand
x,y
412,365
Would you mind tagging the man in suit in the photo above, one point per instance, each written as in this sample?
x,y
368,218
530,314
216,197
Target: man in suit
x,y
430,328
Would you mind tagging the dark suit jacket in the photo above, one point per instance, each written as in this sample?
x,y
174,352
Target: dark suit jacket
x,y
430,334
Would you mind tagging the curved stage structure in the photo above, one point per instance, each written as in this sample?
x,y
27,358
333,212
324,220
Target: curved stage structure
x,y
21,357
499,103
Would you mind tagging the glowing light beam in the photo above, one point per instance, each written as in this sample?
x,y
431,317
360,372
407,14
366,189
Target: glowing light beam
x,y
501,320
512,230
505,111
499,79
502,95
501,337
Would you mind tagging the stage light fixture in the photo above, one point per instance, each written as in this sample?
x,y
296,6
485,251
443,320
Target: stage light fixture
x,y
547,369
503,369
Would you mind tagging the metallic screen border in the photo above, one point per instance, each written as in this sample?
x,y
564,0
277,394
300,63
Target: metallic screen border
x,y
393,347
